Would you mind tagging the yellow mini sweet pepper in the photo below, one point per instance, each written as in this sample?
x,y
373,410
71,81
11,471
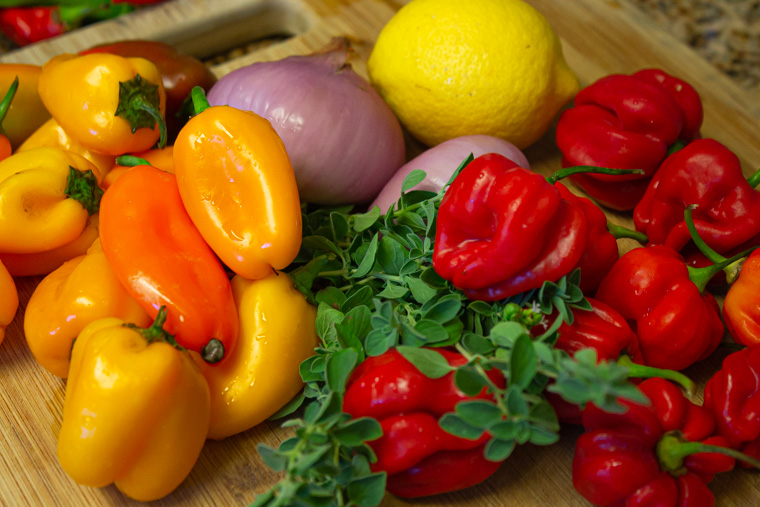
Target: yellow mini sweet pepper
x,y
110,104
46,198
8,300
261,375
52,134
136,410
79,292
26,112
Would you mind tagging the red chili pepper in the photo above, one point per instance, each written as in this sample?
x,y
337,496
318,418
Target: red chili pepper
x,y
162,260
627,122
733,396
420,458
661,454
741,311
26,25
664,301
706,174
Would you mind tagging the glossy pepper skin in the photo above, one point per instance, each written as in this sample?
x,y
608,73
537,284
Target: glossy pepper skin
x,y
47,196
26,25
502,229
135,413
180,73
84,95
707,174
602,251
732,394
26,112
741,307
602,329
239,188
277,334
621,460
8,300
52,134
420,458
676,324
79,292
162,158
627,122
161,259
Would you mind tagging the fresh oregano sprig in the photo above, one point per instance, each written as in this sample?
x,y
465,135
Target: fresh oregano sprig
x,y
372,278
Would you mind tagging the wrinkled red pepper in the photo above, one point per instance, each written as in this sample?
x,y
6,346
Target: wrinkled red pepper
x,y
706,174
661,454
732,394
664,302
741,307
420,458
627,122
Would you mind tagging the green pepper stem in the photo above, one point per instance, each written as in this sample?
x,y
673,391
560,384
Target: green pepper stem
x,y
619,232
156,331
152,110
672,449
701,276
6,102
567,171
676,146
636,370
754,180
703,247
82,186
200,102
130,161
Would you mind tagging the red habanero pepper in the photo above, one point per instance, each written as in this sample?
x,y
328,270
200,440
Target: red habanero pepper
x,y
706,174
627,122
662,454
741,307
733,396
664,302
420,458
161,259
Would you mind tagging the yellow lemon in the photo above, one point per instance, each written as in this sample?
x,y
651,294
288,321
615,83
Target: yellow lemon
x,y
450,68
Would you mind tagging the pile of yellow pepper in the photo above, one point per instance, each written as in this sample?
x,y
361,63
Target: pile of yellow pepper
x,y
161,301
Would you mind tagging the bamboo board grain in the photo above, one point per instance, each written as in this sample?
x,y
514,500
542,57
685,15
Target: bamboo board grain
x,y
599,37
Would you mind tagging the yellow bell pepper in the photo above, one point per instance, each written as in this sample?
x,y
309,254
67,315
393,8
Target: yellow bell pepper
x,y
46,198
261,375
79,292
43,263
110,104
52,134
136,410
26,112
8,300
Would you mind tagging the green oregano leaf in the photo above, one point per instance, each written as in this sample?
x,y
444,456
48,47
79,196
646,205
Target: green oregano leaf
x,y
469,380
274,460
339,367
524,363
455,425
478,413
414,178
498,450
364,221
429,362
367,491
368,260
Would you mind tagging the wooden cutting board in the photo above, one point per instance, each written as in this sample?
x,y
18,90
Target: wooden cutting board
x,y
599,37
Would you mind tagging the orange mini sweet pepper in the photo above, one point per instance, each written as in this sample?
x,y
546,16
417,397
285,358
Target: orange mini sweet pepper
x,y
26,112
162,158
261,375
136,410
47,196
161,259
238,186
81,291
108,103
8,300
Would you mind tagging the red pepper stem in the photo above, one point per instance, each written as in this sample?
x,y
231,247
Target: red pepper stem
x,y
701,276
636,370
6,102
200,102
672,449
567,171
754,180
619,232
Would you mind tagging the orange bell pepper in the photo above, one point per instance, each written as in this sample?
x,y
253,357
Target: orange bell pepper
x,y
161,259
136,410
8,300
47,196
81,291
162,158
277,333
52,134
239,188
42,263
26,112
110,104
